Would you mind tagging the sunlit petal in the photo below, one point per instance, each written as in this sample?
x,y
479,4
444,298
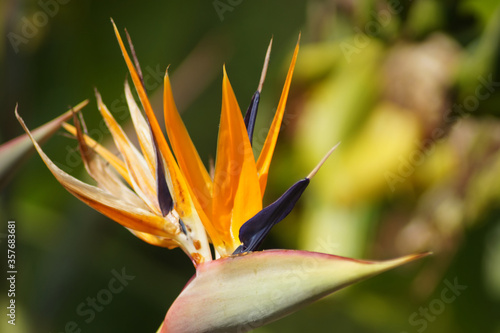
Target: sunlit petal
x,y
187,157
118,210
142,179
146,104
105,177
236,193
141,128
176,182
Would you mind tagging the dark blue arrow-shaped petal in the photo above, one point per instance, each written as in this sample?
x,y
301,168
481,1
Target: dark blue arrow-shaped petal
x,y
164,198
251,114
253,232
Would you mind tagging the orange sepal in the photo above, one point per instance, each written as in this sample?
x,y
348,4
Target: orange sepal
x,y
185,152
267,151
236,192
116,209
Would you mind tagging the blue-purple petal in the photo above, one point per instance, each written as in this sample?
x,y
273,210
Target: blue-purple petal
x,y
165,200
251,115
253,232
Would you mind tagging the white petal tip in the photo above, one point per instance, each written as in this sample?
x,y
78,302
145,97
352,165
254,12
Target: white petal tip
x,y
323,160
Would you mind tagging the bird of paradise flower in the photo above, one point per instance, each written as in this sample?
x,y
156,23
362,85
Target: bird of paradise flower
x,y
167,198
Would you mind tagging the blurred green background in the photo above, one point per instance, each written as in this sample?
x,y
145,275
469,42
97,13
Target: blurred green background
x,y
411,88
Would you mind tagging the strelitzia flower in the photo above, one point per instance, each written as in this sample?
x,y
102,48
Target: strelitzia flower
x,y
166,197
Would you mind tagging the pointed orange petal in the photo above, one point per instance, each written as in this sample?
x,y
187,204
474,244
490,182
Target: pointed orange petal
x,y
118,210
153,122
235,181
248,199
267,151
185,152
175,179
179,190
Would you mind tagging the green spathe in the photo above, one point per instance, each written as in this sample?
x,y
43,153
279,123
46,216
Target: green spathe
x,y
241,293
